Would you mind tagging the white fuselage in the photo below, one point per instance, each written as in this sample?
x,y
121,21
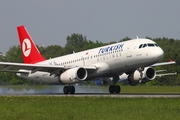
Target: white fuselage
x,y
109,60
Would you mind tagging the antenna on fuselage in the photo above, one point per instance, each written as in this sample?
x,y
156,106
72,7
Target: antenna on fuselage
x,y
137,37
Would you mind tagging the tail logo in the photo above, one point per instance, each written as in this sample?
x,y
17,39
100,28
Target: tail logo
x,y
26,47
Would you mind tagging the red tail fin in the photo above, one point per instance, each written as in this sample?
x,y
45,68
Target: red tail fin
x,y
30,52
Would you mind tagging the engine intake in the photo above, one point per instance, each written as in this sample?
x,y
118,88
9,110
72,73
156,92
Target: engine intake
x,y
148,74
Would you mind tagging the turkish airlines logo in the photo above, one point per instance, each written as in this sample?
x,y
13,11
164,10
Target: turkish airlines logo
x,y
26,47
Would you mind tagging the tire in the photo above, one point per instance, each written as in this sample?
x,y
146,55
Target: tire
x,y
71,89
117,89
111,89
66,89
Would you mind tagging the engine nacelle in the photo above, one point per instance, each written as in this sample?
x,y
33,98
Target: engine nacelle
x,y
148,74
74,75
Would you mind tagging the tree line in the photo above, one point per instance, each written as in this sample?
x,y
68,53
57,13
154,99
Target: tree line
x,y
78,42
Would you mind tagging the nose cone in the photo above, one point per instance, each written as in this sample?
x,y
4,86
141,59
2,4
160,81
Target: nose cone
x,y
158,54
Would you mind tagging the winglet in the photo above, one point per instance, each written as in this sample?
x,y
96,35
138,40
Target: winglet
x,y
170,60
30,53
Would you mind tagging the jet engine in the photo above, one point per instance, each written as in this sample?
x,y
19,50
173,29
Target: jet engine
x,y
74,75
148,74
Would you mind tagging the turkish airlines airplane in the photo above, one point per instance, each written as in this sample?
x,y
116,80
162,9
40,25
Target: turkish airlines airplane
x,y
130,57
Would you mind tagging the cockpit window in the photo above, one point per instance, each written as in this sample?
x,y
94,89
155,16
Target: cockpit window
x,y
140,45
150,44
156,45
144,45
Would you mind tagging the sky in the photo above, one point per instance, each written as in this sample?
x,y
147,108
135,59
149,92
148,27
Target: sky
x,y
49,22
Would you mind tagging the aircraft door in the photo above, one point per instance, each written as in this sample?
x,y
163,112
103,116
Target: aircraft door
x,y
86,60
91,60
129,50
83,60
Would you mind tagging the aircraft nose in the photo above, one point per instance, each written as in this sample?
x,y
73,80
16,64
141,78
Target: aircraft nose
x,y
158,54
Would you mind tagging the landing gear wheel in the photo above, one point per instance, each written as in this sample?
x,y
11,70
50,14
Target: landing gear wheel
x,y
111,89
66,89
114,89
71,89
117,89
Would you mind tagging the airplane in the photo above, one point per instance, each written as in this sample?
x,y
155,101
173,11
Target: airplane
x,y
130,57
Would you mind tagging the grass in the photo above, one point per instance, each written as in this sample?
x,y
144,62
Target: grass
x,y
151,89
88,108
91,108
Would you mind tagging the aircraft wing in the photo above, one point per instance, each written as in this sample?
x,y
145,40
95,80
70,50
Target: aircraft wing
x,y
163,63
9,67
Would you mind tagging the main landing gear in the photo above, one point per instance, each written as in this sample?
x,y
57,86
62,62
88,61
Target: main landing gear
x,y
69,89
115,88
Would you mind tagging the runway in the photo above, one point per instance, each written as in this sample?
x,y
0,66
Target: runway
x,y
122,95
82,91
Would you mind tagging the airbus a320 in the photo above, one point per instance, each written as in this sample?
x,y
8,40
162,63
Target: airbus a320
x,y
130,57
